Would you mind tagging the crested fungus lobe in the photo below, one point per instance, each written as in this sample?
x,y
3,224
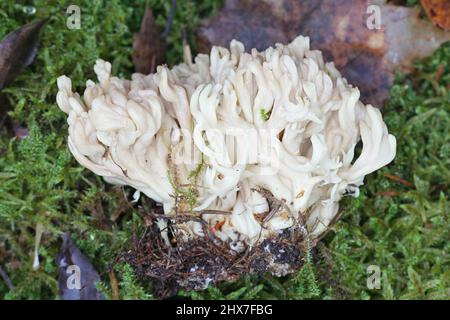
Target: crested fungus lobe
x,y
250,144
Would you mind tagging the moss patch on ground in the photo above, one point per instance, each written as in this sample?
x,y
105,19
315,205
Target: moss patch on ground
x,y
401,227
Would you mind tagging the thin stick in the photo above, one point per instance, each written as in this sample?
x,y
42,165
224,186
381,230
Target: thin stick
x,y
115,295
6,278
169,19
398,179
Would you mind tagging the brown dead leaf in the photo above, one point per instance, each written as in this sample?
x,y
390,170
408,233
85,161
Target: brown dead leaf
x,y
367,58
18,50
149,47
438,11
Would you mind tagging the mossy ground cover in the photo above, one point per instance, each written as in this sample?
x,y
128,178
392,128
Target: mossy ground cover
x,y
401,227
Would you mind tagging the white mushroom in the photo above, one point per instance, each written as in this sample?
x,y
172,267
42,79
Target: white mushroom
x,y
241,130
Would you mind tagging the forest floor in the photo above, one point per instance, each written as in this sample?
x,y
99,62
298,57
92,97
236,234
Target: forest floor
x,y
400,222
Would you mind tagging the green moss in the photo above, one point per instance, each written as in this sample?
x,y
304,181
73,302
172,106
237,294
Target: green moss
x,y
265,115
39,180
406,235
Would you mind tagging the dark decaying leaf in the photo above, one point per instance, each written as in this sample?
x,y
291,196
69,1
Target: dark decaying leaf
x,y
438,11
20,132
367,57
12,126
3,109
148,46
71,264
18,50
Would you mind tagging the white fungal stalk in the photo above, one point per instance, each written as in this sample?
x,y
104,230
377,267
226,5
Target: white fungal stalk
x,y
261,141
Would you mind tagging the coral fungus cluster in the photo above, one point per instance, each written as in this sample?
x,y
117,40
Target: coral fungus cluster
x,y
250,143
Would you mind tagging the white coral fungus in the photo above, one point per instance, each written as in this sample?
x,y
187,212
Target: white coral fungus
x,y
253,143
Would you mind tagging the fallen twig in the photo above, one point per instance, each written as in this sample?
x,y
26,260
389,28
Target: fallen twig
x,y
169,19
6,278
115,295
387,193
398,179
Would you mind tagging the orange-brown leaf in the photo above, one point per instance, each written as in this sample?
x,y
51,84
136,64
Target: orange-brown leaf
x,y
438,11
367,57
